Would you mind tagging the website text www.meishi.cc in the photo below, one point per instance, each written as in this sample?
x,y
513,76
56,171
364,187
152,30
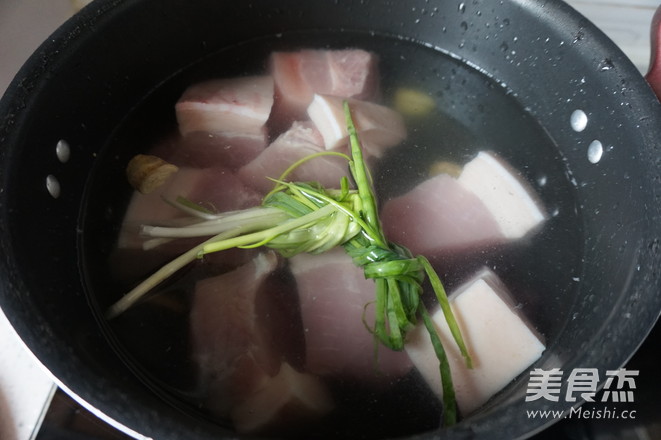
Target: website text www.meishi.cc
x,y
583,383
610,413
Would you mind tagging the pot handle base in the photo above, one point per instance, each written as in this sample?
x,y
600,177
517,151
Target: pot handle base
x,y
653,75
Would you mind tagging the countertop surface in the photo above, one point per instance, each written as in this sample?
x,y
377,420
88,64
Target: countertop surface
x,y
26,388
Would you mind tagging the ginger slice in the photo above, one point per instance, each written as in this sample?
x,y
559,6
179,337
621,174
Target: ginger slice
x,y
145,173
413,102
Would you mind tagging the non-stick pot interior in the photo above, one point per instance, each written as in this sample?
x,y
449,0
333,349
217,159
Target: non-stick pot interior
x,y
509,75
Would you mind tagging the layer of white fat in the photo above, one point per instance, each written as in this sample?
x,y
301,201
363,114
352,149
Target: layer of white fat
x,y
501,344
511,201
329,119
243,111
265,263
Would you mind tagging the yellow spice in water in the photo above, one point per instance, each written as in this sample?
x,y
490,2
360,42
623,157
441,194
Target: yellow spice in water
x,y
413,102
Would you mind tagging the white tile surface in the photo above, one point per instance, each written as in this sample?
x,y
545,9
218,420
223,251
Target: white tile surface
x,y
24,25
626,22
24,385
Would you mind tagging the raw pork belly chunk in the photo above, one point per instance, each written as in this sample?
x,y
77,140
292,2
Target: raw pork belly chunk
x,y
301,140
334,296
231,349
488,204
235,105
500,342
347,73
378,127
223,120
242,354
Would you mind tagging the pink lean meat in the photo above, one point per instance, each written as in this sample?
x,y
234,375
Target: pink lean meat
x,y
231,345
301,140
226,149
299,75
205,149
335,298
447,217
488,204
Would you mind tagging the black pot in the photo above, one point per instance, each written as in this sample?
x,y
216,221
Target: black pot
x,y
541,58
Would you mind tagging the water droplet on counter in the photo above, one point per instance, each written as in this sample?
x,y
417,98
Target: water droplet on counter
x,y
464,26
462,7
605,65
578,37
63,151
53,186
654,246
595,151
578,120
